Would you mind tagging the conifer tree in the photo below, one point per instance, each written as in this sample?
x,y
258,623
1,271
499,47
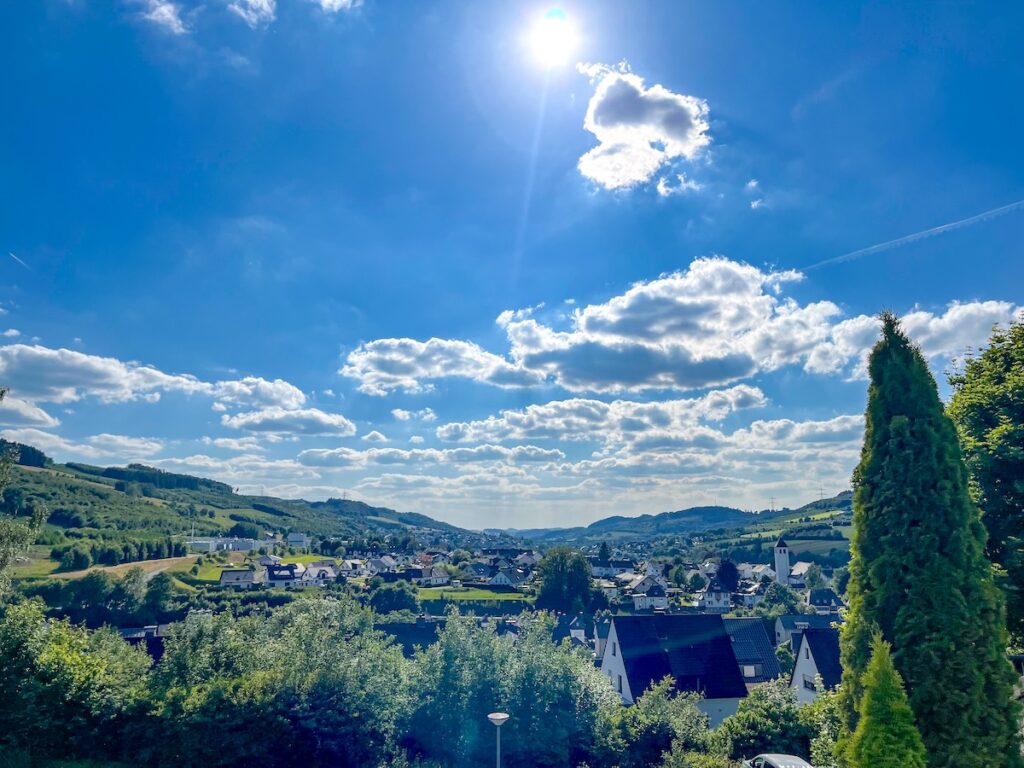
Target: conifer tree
x,y
886,736
919,574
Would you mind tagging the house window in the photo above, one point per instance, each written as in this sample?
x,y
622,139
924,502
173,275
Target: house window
x,y
614,649
618,684
810,683
749,671
807,653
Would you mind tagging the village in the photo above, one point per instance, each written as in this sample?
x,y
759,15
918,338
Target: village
x,y
710,640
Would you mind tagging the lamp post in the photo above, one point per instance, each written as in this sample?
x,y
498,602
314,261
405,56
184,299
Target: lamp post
x,y
498,719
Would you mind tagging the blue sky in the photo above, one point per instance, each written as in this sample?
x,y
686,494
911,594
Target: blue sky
x,y
386,249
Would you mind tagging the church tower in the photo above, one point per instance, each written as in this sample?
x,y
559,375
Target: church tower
x,y
782,561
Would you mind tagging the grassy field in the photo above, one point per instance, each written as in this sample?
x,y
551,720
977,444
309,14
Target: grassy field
x,y
150,567
467,593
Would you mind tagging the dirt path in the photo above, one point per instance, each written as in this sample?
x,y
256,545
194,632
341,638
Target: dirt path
x,y
150,567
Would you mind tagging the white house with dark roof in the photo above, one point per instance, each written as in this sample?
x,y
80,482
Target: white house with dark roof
x,y
653,598
714,598
241,578
693,649
817,658
755,652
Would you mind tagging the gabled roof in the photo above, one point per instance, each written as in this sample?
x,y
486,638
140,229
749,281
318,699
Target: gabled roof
x,y
239,576
752,644
694,649
791,621
824,644
781,542
823,597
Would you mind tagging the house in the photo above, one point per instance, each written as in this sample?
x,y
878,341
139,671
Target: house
x,y
714,598
269,560
653,598
478,570
349,568
755,572
749,594
790,626
430,577
241,578
817,655
300,540
609,569
824,601
285,575
693,649
378,565
645,582
527,560
754,650
601,627
318,575
508,578
225,544
798,576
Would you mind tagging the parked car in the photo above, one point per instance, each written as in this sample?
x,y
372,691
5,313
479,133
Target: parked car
x,y
777,761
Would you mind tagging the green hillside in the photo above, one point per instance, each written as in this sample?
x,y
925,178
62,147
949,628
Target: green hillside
x,y
126,514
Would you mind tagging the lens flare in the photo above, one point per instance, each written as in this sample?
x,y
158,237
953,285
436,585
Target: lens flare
x,y
553,39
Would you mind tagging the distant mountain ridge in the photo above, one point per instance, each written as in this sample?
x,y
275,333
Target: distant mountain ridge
x,y
689,520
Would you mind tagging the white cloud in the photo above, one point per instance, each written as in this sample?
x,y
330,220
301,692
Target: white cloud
x,y
758,203
374,437
255,12
334,6
165,15
282,421
352,458
239,444
42,374
667,187
718,322
12,332
424,414
416,439
257,392
389,364
752,185
239,469
638,129
19,413
620,421
102,446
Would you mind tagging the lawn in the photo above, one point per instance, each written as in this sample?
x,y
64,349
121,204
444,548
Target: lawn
x,y
467,593
37,563
150,567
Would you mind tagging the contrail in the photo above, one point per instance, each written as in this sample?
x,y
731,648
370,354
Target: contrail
x,y
26,266
986,216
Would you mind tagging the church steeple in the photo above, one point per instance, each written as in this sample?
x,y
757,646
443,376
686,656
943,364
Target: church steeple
x,y
782,561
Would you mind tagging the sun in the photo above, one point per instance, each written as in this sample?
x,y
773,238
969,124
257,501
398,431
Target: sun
x,y
553,39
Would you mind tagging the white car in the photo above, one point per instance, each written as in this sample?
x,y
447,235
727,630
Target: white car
x,y
777,761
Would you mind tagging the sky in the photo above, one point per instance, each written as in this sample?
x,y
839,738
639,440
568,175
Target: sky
x,y
504,264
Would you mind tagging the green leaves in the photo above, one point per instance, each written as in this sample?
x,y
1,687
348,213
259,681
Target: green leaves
x,y
918,570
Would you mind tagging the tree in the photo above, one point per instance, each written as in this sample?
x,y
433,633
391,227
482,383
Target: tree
x,y
786,659
919,574
768,720
988,410
697,582
604,552
565,582
728,575
886,736
778,600
396,596
813,578
15,534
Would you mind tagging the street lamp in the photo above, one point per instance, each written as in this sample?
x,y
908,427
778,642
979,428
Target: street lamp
x,y
499,719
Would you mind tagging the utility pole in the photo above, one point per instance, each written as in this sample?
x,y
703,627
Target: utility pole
x,y
772,504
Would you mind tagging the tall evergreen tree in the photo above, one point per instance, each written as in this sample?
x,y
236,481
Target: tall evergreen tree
x,y
886,736
919,574
988,410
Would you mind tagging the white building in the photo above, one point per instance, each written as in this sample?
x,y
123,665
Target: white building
x,y
693,649
817,662
782,561
653,598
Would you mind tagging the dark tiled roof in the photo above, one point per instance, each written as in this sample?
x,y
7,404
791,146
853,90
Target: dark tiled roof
x,y
753,645
823,597
811,620
781,542
824,645
694,649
